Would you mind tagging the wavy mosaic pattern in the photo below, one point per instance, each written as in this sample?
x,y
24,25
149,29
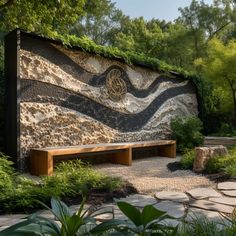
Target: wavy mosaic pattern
x,y
65,99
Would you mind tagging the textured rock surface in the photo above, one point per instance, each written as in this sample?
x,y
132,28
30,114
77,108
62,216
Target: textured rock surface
x,y
173,209
201,193
224,200
230,193
139,200
212,206
227,186
203,154
173,196
195,213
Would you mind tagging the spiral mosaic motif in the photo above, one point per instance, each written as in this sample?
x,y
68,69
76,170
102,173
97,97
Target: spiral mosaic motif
x,y
116,86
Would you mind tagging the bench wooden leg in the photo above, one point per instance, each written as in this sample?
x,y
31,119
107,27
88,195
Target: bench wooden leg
x,y
124,157
41,163
167,150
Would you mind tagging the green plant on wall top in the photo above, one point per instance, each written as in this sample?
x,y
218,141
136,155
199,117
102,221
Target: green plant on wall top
x,y
187,132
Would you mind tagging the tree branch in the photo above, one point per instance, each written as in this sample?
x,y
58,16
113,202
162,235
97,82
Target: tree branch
x,y
218,30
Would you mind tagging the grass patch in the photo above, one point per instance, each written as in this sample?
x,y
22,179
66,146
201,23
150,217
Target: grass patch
x,y
187,159
71,179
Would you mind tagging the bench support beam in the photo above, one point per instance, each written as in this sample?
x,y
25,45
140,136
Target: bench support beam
x,y
41,163
123,157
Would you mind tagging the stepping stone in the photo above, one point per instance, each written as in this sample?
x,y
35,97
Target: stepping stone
x,y
202,193
118,214
172,196
227,186
75,208
47,214
224,200
231,193
195,213
11,219
173,209
105,213
138,200
212,206
170,222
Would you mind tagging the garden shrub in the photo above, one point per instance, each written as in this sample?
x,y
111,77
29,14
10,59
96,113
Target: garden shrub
x,y
227,130
187,132
187,159
71,179
225,163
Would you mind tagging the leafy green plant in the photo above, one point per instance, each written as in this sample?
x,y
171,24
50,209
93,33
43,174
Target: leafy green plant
x,y
187,132
70,224
71,179
187,159
149,221
225,164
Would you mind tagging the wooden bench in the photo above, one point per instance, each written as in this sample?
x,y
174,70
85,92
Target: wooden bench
x,y
41,160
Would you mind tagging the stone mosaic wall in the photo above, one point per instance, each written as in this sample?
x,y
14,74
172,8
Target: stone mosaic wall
x,y
69,97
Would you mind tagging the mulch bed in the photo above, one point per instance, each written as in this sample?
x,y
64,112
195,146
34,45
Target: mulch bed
x,y
98,197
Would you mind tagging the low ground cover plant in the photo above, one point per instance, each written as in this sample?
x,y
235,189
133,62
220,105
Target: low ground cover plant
x,y
226,164
187,133
71,180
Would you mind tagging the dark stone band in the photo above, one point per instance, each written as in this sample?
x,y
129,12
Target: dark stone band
x,y
36,91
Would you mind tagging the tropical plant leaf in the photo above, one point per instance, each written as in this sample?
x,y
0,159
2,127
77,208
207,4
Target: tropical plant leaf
x,y
14,230
131,212
60,210
150,214
107,225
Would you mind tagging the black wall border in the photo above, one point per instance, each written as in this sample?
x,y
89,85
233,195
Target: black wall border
x,y
12,97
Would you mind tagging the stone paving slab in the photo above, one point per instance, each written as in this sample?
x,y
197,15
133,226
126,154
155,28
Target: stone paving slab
x,y
47,214
138,200
212,206
195,213
224,200
11,219
227,185
172,196
173,209
230,193
203,193
118,214
170,222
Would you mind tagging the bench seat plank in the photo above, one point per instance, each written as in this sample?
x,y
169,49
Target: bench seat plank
x,y
41,159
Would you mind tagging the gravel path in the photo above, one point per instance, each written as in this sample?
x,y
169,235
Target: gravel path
x,y
149,175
